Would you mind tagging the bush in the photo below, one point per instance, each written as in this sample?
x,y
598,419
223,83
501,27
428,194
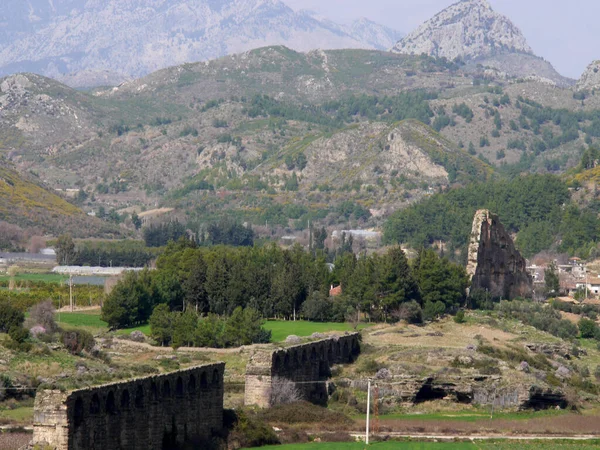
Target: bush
x,y
587,328
10,317
77,341
18,334
370,366
410,312
250,432
433,310
460,316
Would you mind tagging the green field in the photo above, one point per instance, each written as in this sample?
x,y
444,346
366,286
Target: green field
x,y
17,415
282,329
477,445
471,415
90,320
43,277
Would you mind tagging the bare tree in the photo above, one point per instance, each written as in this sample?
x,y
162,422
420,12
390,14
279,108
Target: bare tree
x,y
43,314
284,391
36,243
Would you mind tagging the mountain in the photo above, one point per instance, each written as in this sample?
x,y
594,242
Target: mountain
x,y
273,134
590,79
471,31
90,42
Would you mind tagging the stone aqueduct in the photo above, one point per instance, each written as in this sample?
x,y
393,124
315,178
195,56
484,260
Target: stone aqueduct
x,y
164,411
308,365
156,412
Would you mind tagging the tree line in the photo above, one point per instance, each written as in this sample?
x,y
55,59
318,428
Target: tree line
x,y
286,284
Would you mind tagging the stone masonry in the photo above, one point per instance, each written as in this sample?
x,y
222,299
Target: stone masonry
x,y
308,365
156,412
494,264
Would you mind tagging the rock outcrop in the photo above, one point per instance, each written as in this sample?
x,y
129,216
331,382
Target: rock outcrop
x,y
590,78
494,264
467,389
469,29
472,31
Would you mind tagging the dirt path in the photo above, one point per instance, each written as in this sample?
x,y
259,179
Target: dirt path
x,y
486,437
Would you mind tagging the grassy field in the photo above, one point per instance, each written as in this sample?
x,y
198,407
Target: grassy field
x,y
471,415
282,329
90,320
44,277
479,445
23,414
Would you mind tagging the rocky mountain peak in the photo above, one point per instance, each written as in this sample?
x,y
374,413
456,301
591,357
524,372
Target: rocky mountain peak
x,y
590,78
469,29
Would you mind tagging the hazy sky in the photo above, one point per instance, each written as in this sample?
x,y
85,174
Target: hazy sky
x,y
565,33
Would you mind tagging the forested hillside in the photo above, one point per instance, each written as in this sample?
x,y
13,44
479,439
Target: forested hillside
x,y
537,208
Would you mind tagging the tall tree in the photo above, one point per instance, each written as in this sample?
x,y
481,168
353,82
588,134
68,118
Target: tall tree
x,y
65,250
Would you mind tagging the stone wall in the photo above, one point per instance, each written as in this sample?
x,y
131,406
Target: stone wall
x,y
308,365
156,412
494,264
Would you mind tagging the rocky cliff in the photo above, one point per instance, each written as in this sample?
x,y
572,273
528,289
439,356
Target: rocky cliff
x,y
494,264
113,40
472,31
590,78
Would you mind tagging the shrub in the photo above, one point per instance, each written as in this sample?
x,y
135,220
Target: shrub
x,y
411,312
18,334
370,366
250,432
587,328
433,310
10,317
460,316
77,341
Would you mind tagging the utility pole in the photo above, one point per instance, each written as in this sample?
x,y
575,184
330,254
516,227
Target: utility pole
x,y
368,410
71,291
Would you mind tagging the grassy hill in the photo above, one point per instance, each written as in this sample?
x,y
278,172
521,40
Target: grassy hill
x,y
24,202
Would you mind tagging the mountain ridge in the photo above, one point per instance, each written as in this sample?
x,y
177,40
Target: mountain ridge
x,y
69,37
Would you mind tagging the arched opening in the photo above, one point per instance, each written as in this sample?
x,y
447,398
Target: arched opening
x,y
78,412
125,399
216,379
111,407
166,390
276,362
95,405
286,362
179,387
192,384
139,397
203,380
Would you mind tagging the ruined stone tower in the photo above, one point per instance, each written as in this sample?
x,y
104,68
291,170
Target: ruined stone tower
x,y
494,264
